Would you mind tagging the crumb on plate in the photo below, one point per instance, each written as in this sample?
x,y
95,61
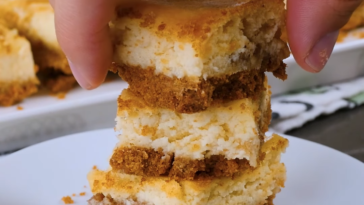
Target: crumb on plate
x,y
61,95
82,193
94,167
67,200
19,108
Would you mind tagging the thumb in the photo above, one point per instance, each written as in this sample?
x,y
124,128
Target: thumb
x,y
313,27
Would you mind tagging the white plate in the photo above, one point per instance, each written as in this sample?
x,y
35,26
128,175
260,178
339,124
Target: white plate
x,y
46,172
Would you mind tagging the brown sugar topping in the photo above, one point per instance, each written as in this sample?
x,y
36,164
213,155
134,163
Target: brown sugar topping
x,y
149,162
67,200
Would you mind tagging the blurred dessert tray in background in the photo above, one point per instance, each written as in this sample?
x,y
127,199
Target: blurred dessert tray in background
x,y
346,62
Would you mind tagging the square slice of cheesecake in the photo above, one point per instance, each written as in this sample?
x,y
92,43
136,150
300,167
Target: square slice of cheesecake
x,y
17,70
356,19
219,141
192,57
34,19
254,186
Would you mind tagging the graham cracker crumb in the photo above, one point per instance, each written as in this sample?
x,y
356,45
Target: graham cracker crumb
x,y
82,193
67,200
19,108
94,167
61,95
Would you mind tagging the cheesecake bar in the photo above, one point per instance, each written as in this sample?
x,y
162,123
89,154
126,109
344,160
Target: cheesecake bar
x,y
254,186
17,70
34,19
183,59
220,141
356,19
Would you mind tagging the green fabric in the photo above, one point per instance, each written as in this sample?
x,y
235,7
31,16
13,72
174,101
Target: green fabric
x,y
358,99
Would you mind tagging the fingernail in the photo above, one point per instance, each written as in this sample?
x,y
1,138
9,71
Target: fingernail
x,y
82,81
321,52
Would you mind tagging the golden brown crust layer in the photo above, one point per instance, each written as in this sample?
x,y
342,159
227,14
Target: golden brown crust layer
x,y
12,93
149,162
188,96
100,197
270,200
191,25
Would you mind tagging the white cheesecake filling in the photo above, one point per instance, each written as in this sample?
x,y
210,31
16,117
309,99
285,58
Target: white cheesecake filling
x,y
16,60
230,129
142,47
220,44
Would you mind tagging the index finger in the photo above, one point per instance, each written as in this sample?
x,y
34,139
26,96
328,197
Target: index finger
x,y
83,34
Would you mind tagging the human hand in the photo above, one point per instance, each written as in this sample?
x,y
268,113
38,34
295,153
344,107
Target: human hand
x,y
313,27
82,31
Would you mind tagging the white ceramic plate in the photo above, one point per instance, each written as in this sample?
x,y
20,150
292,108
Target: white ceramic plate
x,y
44,173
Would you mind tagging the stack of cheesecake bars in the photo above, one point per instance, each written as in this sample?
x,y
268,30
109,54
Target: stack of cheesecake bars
x,y
192,122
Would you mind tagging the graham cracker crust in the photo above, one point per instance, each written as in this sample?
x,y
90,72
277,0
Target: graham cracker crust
x,y
57,81
150,163
62,83
54,70
49,59
189,96
12,93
